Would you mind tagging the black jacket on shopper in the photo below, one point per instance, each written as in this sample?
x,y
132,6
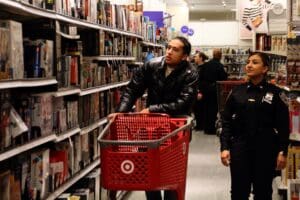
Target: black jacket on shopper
x,y
173,94
256,116
211,72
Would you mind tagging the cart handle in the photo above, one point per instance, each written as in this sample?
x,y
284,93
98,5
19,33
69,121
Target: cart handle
x,y
148,143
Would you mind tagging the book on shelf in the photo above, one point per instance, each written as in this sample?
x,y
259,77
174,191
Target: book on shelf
x,y
38,58
17,125
77,154
5,185
39,172
58,167
85,149
72,114
42,113
5,109
11,48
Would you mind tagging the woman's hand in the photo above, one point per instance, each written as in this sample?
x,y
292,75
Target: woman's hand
x,y
225,157
281,161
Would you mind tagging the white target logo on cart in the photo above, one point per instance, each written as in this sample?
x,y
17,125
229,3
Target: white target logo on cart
x,y
127,167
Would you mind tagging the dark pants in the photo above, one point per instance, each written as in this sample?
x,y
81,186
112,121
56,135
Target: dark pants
x,y
251,168
199,114
210,108
156,195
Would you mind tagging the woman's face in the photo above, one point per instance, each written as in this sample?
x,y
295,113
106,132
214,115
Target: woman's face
x,y
255,67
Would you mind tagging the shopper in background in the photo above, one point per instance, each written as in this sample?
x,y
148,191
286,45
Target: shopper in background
x,y
171,85
199,60
211,72
255,132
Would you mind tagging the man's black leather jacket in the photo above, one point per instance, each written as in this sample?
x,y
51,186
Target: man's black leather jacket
x,y
174,94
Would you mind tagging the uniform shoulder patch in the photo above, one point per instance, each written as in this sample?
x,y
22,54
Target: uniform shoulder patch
x,y
284,98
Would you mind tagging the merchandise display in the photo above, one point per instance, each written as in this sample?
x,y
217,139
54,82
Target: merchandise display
x,y
62,69
65,63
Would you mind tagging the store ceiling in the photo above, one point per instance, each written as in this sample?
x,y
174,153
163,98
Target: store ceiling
x,y
205,5
215,10
211,5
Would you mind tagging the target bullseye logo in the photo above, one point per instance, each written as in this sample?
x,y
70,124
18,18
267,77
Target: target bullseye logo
x,y
127,167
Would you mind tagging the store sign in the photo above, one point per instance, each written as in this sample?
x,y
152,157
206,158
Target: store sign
x,y
190,32
184,29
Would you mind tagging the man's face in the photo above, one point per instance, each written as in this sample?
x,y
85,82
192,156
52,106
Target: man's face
x,y
174,53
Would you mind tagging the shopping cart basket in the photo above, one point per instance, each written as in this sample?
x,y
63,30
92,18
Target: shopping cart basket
x,y
223,89
145,152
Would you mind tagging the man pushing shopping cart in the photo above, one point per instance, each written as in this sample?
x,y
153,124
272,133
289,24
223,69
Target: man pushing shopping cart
x,y
155,141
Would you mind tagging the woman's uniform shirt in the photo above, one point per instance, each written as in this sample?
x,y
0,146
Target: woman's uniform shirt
x,y
257,115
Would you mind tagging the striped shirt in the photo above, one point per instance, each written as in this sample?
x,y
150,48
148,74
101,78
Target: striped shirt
x,y
255,11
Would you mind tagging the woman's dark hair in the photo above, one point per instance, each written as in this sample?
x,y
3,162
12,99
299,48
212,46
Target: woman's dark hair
x,y
202,55
264,57
186,44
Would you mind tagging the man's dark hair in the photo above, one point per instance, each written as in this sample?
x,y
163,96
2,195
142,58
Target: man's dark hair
x,y
202,55
186,44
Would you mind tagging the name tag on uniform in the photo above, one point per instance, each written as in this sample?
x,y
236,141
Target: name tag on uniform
x,y
268,98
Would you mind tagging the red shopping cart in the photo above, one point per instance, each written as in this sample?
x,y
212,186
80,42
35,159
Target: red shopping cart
x,y
145,152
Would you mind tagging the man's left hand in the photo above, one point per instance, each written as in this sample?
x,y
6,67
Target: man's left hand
x,y
145,110
281,161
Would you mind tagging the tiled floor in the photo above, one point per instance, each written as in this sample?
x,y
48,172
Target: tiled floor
x,y
207,178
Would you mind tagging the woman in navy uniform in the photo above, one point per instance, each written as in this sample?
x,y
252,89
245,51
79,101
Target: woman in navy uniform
x,y
255,132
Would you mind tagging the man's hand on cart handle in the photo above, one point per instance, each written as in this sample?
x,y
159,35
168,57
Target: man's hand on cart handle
x,y
225,157
112,116
281,161
145,110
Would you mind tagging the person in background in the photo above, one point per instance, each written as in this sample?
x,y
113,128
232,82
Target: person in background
x,y
255,132
171,84
199,60
211,72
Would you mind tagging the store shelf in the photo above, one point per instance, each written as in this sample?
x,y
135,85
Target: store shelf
x,y
73,180
30,82
67,134
30,145
136,63
71,37
152,44
288,89
103,88
108,58
280,53
66,92
91,127
35,11
28,9
235,63
233,54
